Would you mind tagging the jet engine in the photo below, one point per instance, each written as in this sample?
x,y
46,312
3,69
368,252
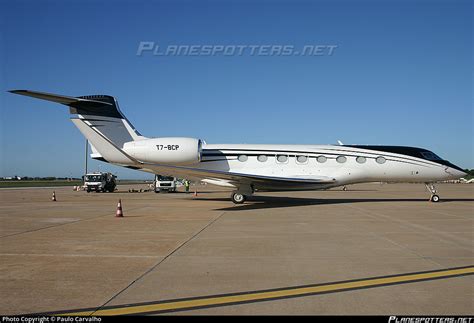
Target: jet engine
x,y
167,150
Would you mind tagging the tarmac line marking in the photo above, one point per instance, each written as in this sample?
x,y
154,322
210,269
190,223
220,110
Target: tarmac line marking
x,y
167,306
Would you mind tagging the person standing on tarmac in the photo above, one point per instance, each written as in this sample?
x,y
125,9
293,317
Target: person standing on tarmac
x,y
186,185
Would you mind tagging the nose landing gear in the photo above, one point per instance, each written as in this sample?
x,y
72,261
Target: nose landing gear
x,y
432,189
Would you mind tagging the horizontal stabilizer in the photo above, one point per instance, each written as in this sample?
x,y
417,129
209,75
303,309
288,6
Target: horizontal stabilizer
x,y
93,105
99,118
66,100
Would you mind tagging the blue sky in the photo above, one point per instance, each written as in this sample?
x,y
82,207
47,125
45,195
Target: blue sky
x,y
401,75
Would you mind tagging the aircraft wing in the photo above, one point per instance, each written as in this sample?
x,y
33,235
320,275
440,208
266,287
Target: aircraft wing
x,y
237,179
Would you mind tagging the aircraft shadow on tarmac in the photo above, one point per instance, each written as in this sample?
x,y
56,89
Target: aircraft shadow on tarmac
x,y
268,202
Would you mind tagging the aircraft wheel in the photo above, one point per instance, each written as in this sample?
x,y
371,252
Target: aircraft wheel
x,y
434,198
238,198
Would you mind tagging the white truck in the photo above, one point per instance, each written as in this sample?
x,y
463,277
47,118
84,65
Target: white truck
x,y
100,182
165,183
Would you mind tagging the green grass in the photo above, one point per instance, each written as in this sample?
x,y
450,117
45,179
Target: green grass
x,y
4,184
52,183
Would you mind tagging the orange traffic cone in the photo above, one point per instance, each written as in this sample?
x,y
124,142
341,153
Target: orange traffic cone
x,y
54,197
119,213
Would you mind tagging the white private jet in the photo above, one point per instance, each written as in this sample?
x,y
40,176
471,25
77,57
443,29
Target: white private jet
x,y
247,168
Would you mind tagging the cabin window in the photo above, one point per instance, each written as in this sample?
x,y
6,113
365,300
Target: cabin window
x,y
262,158
321,159
361,159
282,158
302,159
341,159
243,158
380,160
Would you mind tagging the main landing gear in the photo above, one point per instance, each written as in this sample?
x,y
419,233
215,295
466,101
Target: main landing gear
x,y
432,189
238,198
240,195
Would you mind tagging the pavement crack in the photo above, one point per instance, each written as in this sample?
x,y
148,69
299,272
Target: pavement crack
x,y
62,224
159,263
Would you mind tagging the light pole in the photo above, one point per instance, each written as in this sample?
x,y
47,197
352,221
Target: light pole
x,y
87,151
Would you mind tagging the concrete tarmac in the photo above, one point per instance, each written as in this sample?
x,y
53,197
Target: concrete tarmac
x,y
74,255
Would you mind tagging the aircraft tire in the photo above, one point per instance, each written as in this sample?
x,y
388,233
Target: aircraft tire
x,y
434,198
238,198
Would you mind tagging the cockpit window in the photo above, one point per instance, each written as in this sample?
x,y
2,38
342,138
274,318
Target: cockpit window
x,y
430,155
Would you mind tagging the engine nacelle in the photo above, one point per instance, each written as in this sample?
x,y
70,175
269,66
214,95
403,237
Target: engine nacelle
x,y
167,150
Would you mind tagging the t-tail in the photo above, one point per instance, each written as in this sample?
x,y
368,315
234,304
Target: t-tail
x,y
100,120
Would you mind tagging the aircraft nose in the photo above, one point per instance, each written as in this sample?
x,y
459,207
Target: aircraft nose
x,y
460,173
455,171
